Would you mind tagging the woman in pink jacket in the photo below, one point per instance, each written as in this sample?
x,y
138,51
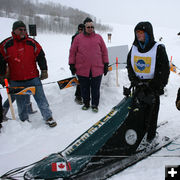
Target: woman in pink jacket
x,y
89,60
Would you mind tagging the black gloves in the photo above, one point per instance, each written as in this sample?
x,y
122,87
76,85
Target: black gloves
x,y
44,74
126,91
157,87
72,68
135,82
105,68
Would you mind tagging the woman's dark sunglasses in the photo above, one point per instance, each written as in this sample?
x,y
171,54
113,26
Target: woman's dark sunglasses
x,y
90,27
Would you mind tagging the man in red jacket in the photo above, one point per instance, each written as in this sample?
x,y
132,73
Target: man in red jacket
x,y
21,53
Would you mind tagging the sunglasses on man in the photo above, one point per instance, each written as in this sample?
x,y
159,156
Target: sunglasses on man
x,y
22,29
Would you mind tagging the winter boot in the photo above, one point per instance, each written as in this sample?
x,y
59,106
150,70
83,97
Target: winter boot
x,y
154,139
85,107
5,118
151,135
26,120
51,122
147,144
78,100
94,108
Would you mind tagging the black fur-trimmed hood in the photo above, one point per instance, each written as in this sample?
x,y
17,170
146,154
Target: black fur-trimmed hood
x,y
147,27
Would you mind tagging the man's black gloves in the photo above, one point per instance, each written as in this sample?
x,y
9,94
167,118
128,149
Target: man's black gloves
x,y
105,68
44,74
72,68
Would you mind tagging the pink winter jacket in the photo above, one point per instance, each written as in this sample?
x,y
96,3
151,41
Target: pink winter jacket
x,y
88,53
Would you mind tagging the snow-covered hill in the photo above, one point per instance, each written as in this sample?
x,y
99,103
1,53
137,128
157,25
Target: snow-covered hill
x,y
24,143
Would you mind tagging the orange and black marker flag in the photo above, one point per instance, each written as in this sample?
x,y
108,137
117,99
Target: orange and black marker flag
x,y
68,82
22,90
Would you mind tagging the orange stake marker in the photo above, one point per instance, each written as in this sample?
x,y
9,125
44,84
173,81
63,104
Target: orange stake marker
x,y
117,83
10,101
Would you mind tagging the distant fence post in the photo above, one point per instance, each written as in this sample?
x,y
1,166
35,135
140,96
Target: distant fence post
x,y
32,30
117,81
109,37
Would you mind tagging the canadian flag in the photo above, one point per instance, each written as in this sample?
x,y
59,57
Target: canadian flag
x,y
61,166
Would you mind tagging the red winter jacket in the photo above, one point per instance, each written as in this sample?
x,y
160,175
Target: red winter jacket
x,y
21,56
88,53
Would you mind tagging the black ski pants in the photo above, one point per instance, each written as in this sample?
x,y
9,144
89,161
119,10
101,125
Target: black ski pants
x,y
90,86
152,117
78,91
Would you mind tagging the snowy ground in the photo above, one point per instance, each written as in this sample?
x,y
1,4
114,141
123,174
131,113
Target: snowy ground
x,y
24,143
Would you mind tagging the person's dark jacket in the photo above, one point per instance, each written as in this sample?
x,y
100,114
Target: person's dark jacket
x,y
74,36
162,68
2,65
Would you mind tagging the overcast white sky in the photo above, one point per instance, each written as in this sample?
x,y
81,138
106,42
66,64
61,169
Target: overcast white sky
x,y
159,12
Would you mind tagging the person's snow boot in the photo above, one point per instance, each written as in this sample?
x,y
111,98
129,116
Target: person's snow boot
x,y
94,108
5,118
85,107
147,143
154,139
51,122
78,100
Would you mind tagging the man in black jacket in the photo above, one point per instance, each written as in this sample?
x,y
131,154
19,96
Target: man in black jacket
x,y
78,98
148,66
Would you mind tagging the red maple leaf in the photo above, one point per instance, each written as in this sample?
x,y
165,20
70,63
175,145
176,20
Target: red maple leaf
x,y
61,166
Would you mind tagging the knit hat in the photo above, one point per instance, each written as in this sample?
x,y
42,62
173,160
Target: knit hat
x,y
81,26
18,24
88,20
